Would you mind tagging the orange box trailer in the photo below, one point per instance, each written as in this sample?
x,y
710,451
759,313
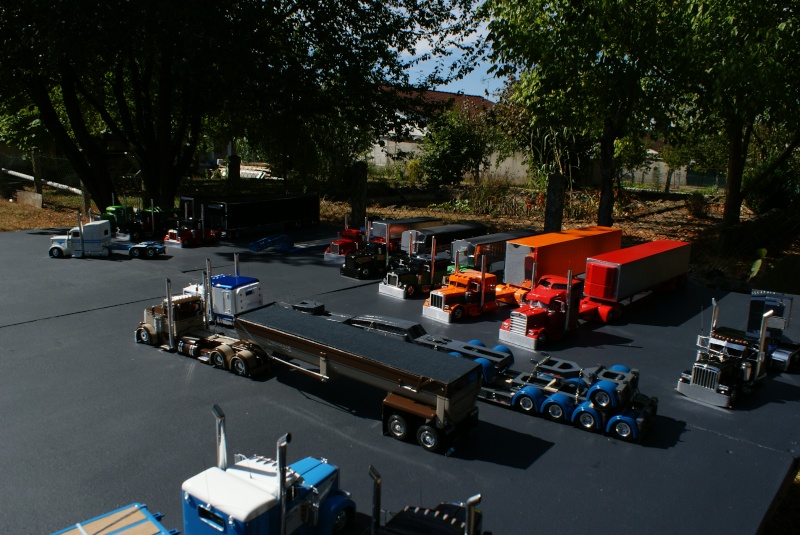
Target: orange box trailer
x,y
556,252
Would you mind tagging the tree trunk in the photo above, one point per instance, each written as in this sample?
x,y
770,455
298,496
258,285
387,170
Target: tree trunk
x,y
554,206
669,180
605,211
738,139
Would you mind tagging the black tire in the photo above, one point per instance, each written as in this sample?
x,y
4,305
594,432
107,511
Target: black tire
x,y
343,520
525,404
239,366
397,427
143,336
218,360
542,339
601,398
410,291
622,430
429,437
55,252
586,420
555,413
458,313
150,252
135,252
364,272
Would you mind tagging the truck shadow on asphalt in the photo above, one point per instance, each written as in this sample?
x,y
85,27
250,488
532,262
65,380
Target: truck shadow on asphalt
x,y
520,450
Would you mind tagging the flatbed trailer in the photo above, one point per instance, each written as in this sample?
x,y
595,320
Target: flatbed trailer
x,y
133,519
430,394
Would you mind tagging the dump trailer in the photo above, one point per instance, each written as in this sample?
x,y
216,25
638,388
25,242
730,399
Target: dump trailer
x,y
555,253
471,250
236,215
420,241
430,396
599,399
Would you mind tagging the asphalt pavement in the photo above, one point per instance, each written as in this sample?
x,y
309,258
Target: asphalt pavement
x,y
92,421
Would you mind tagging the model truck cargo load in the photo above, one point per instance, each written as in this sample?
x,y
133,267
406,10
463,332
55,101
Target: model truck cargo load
x,y
470,251
556,252
621,275
431,396
420,241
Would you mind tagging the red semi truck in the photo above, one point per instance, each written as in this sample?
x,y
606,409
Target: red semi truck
x,y
556,304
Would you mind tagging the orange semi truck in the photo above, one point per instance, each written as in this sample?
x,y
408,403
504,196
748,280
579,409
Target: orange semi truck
x,y
472,292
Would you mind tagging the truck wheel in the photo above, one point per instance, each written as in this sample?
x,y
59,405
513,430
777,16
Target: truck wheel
x,y
542,338
622,430
601,398
526,404
428,437
586,421
218,360
150,252
135,252
239,366
554,412
365,272
397,426
410,291
143,336
458,313
343,519
55,252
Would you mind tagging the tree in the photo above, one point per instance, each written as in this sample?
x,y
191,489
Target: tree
x,y
459,141
742,74
592,66
151,75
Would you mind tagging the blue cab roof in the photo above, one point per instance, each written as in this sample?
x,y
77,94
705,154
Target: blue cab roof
x,y
230,282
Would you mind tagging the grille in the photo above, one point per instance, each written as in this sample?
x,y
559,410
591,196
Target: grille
x,y
334,248
391,279
519,323
705,377
437,301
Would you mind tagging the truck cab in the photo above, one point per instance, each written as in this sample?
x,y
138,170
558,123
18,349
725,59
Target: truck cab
x,y
467,293
350,240
90,239
547,313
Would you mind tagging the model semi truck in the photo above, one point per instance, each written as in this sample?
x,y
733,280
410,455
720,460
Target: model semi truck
x,y
376,259
557,304
255,496
470,251
414,276
97,239
730,362
555,253
351,239
430,397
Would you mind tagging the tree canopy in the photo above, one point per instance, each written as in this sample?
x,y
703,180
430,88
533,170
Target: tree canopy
x,y
147,78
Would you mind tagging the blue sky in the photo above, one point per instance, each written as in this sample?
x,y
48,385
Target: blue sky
x,y
477,83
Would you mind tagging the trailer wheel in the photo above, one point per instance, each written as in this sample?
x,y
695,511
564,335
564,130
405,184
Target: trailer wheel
x,y
601,398
586,421
554,412
135,252
150,252
458,313
143,336
218,359
622,430
55,252
410,291
428,437
397,426
525,404
239,366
